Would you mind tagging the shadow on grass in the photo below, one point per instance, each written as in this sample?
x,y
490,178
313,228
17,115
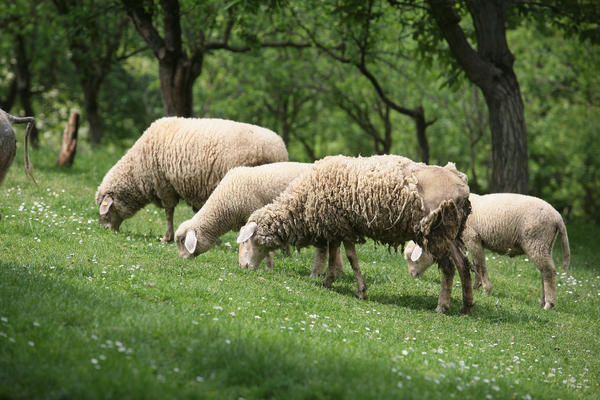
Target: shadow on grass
x,y
346,285
174,357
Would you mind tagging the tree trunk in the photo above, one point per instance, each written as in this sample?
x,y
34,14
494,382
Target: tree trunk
x,y
69,142
90,96
421,126
509,171
176,83
24,86
490,67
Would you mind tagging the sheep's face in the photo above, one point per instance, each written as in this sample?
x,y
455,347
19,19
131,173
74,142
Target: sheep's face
x,y
251,253
418,260
191,243
110,211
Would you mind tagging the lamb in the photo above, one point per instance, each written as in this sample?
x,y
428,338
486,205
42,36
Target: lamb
x,y
241,191
181,158
390,199
512,224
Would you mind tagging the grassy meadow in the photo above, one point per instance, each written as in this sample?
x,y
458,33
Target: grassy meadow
x,y
86,313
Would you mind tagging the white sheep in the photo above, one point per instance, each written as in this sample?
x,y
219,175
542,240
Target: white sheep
x,y
390,199
241,191
507,223
181,158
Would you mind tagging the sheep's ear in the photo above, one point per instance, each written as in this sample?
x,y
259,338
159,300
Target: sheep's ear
x,y
247,231
416,254
190,241
105,205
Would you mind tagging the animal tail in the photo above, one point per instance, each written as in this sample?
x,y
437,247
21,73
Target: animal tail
x,y
29,121
565,244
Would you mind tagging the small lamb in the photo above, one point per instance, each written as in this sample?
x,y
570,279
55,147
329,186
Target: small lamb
x,y
242,191
390,199
507,223
181,158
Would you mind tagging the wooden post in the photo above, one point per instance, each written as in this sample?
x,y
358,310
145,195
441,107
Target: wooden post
x,y
69,142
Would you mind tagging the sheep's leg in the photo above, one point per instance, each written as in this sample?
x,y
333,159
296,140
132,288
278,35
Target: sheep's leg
x,y
548,271
269,261
361,292
320,260
447,269
169,235
330,277
481,277
463,266
339,263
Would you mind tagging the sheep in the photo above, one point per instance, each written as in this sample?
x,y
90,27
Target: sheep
x,y
512,224
181,158
241,191
390,199
8,143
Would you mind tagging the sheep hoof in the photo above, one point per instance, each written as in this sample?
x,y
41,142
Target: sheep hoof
x,y
328,281
166,239
361,295
476,285
466,309
548,306
441,308
487,290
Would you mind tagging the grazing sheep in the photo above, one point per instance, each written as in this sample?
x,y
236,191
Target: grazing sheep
x,y
390,199
241,191
181,158
8,142
512,224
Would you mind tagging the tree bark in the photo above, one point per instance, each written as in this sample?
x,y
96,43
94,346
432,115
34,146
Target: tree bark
x,y
491,69
177,72
69,142
421,126
24,86
90,96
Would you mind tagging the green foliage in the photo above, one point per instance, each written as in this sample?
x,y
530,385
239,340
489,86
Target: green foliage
x,y
299,92
88,313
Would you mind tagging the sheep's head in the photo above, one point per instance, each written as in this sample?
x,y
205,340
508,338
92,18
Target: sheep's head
x,y
251,253
417,258
190,241
111,211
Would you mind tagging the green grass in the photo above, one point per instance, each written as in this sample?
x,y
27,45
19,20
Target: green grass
x,y
88,313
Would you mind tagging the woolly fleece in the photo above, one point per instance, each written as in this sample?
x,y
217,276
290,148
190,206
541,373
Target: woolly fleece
x,y
181,158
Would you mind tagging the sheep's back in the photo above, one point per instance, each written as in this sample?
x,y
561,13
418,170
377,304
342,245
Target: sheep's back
x,y
192,155
505,220
345,198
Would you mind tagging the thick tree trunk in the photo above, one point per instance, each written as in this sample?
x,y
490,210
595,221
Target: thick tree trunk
x,y
24,86
490,67
90,95
176,83
69,142
509,171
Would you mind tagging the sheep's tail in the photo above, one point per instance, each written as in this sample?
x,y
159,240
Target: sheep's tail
x,y
565,244
29,121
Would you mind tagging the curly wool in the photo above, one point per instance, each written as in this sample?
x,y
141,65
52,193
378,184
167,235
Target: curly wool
x,y
348,199
185,158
